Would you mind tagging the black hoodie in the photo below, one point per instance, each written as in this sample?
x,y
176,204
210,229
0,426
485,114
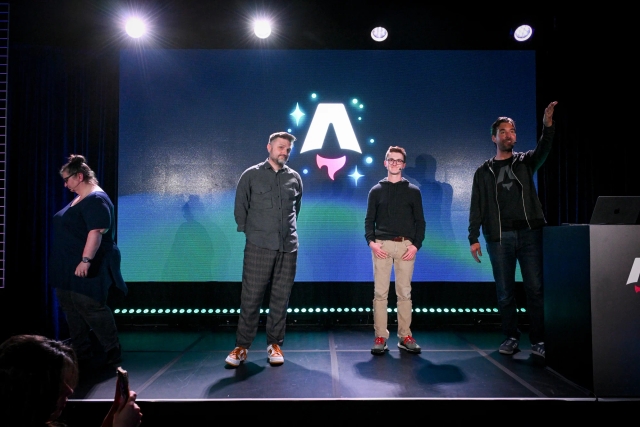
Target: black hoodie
x,y
484,210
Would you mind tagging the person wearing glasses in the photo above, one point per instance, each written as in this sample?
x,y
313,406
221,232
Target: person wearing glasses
x,y
394,229
85,262
505,204
267,204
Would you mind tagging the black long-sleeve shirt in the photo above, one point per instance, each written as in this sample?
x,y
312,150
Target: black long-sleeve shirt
x,y
267,205
395,210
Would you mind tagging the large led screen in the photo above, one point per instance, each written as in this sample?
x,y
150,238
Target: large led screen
x,y
191,121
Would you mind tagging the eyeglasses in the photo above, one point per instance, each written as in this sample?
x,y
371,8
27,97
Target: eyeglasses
x,y
395,161
65,179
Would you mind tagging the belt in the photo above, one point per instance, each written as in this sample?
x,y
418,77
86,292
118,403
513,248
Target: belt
x,y
399,239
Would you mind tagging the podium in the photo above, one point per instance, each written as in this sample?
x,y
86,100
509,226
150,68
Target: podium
x,y
592,313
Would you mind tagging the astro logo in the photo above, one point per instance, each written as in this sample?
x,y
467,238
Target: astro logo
x,y
634,275
325,115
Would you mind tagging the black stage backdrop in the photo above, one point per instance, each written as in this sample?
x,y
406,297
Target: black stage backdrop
x,y
63,98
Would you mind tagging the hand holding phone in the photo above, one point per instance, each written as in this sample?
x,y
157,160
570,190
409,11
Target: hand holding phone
x,y
122,407
122,384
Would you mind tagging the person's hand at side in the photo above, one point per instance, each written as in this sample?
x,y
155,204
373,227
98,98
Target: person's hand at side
x,y
410,253
82,270
476,251
377,250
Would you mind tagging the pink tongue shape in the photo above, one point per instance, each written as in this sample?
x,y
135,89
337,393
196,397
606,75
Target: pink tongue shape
x,y
333,165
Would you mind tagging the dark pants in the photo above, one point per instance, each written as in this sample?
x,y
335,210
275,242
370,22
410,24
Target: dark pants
x,y
525,248
83,315
263,267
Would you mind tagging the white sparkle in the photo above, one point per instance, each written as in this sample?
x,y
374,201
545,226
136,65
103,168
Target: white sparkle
x,y
356,175
297,114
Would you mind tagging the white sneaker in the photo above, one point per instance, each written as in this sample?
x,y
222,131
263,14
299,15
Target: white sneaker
x,y
275,355
237,356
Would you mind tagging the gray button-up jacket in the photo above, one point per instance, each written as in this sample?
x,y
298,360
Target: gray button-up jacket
x,y
267,205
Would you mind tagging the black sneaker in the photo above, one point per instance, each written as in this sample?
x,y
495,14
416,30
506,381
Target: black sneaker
x,y
509,346
114,355
538,349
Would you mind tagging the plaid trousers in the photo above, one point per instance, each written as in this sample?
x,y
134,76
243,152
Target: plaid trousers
x,y
263,268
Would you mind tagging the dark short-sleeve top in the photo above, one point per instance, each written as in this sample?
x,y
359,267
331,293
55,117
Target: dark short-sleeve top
x,y
71,225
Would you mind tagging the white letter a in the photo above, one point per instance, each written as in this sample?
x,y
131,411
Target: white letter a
x,y
325,115
634,274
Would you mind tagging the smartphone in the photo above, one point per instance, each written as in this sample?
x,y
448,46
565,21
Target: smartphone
x,y
123,383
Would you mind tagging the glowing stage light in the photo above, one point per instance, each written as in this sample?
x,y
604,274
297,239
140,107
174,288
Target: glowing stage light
x,y
379,34
262,28
523,33
135,28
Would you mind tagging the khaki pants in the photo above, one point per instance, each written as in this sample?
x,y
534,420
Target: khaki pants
x,y
403,271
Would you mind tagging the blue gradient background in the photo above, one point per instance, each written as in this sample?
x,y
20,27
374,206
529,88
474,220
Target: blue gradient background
x,y
191,121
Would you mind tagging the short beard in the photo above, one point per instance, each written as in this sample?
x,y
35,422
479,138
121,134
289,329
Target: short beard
x,y
280,162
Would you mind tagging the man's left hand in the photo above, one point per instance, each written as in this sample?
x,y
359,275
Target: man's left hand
x,y
547,120
410,253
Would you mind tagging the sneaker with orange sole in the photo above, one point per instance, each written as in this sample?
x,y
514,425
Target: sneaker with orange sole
x,y
275,355
237,356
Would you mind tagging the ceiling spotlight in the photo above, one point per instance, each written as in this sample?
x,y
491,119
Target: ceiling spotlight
x,y
135,28
379,34
523,33
262,28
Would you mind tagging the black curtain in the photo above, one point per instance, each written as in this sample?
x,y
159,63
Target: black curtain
x,y
591,156
64,101
61,102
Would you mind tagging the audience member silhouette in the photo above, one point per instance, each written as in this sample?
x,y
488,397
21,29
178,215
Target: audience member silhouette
x,y
37,377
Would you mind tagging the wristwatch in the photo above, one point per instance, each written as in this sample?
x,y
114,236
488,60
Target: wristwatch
x,y
86,259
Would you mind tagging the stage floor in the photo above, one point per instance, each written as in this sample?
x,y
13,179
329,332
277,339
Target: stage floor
x,y
457,363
